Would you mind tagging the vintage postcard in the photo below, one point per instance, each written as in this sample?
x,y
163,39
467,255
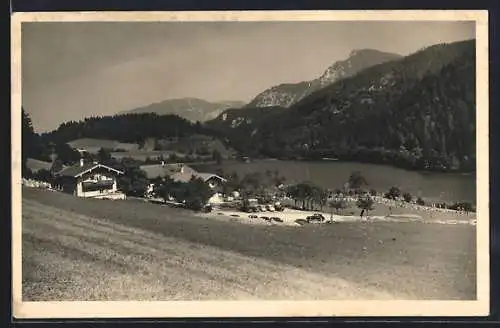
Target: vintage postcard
x,y
250,164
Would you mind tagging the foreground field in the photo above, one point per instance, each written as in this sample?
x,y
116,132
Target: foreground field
x,y
80,249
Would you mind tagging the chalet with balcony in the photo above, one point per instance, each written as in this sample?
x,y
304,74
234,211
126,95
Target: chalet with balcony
x,y
91,180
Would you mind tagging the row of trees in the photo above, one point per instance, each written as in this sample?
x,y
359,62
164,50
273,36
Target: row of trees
x,y
310,195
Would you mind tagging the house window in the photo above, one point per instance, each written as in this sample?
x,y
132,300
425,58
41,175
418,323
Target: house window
x,y
100,186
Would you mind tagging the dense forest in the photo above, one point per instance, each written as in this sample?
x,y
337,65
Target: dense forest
x,y
124,128
417,113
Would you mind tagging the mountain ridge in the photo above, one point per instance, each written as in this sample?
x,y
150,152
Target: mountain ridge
x,y
416,112
287,94
191,108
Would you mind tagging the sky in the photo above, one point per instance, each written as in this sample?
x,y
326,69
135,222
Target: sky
x,y
72,70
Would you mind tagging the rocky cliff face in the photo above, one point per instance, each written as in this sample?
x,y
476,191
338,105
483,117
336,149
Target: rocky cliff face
x,y
286,95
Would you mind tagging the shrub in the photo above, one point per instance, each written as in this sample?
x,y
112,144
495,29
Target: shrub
x,y
373,192
337,191
43,175
420,201
407,197
365,203
393,193
464,206
338,204
195,204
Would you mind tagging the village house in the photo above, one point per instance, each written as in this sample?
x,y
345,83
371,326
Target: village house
x,y
92,180
183,173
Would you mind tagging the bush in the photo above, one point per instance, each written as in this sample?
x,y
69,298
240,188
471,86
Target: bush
x,y
338,204
195,204
365,203
420,201
407,197
43,175
393,193
373,192
464,206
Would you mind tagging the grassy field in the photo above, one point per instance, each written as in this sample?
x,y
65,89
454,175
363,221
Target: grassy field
x,y
81,249
93,145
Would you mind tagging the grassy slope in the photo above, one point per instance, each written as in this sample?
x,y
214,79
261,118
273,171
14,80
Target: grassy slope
x,y
76,249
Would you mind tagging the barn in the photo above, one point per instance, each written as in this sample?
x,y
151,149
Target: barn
x,y
91,180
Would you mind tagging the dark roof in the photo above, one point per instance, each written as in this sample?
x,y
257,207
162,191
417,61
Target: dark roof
x,y
208,176
78,170
173,171
186,176
154,171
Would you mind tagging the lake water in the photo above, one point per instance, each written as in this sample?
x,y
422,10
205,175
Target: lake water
x,y
446,187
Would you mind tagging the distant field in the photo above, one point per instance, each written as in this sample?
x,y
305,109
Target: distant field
x,y
180,147
93,145
197,143
142,155
36,165
80,249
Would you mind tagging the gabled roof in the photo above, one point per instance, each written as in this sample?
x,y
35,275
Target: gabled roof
x,y
208,176
177,172
77,170
154,171
186,176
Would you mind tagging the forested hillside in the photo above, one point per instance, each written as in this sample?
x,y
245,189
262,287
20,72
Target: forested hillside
x,y
129,128
417,112
124,128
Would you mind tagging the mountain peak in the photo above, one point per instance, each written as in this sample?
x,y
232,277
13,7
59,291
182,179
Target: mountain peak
x,y
191,108
367,51
287,94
